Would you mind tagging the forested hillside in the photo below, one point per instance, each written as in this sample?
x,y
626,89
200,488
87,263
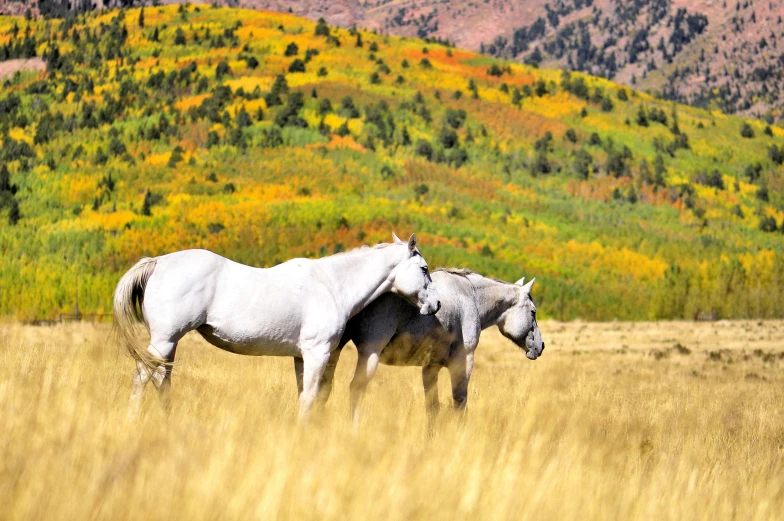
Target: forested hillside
x,y
723,54
266,136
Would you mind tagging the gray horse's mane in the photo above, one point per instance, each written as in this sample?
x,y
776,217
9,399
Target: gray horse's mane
x,y
465,272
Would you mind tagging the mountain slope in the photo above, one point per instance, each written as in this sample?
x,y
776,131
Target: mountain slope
x,y
265,136
710,53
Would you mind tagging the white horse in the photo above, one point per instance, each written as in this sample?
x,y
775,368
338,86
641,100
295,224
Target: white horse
x,y
390,331
299,308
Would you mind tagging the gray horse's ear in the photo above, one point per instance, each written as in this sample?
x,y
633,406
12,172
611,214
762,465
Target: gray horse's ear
x,y
395,238
412,243
527,287
520,282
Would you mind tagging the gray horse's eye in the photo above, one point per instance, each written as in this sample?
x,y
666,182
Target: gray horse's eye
x,y
424,270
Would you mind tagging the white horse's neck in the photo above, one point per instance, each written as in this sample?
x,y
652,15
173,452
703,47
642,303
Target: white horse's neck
x,y
360,276
493,298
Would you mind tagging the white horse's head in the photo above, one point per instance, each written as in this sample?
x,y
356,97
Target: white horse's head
x,y
412,279
518,323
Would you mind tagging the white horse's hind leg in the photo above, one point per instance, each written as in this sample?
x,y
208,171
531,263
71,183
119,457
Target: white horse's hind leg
x,y
141,376
161,376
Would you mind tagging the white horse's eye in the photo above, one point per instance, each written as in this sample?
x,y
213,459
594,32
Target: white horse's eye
x,y
424,270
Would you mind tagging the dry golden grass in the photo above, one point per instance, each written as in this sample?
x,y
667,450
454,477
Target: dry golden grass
x,y
611,423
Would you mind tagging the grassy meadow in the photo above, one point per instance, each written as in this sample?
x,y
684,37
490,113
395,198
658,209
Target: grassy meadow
x,y
646,421
263,136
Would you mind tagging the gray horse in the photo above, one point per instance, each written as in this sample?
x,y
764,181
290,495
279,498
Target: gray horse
x,y
393,332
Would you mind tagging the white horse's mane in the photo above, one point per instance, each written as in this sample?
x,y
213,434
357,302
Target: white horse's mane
x,y
362,248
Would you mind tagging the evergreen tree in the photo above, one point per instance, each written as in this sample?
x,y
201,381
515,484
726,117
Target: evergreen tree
x,y
147,204
659,171
5,179
14,214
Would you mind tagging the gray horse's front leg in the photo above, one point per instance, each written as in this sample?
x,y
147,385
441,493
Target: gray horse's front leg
x,y
430,384
367,363
460,373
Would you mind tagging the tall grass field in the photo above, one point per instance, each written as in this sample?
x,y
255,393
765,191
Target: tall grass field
x,y
645,421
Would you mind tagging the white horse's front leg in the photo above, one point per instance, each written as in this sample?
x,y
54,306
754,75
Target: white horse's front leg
x,y
325,386
314,364
299,372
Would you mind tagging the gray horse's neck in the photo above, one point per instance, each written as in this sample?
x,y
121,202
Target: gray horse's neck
x,y
360,276
493,298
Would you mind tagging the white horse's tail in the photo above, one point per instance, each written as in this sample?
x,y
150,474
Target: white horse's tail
x,y
128,298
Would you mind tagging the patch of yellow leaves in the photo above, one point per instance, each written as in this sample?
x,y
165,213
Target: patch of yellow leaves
x,y
622,260
190,102
336,141
19,135
158,159
109,221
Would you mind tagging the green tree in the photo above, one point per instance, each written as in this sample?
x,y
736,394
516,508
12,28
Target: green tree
x,y
322,29
448,137
658,171
179,37
5,179
222,69
581,166
642,117
424,149
14,214
147,204
297,66
243,118
540,88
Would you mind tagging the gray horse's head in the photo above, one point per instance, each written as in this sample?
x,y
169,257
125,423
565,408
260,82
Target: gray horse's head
x,y
518,323
412,279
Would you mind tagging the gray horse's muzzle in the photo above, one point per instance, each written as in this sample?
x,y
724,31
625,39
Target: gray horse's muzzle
x,y
534,345
432,303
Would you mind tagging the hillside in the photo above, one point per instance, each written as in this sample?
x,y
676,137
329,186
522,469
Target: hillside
x,y
715,54
721,54
265,136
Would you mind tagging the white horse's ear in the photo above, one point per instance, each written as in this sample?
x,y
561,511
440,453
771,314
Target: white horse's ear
x,y
520,282
412,243
527,287
395,238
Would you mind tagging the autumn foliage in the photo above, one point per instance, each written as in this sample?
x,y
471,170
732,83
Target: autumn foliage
x,y
265,137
